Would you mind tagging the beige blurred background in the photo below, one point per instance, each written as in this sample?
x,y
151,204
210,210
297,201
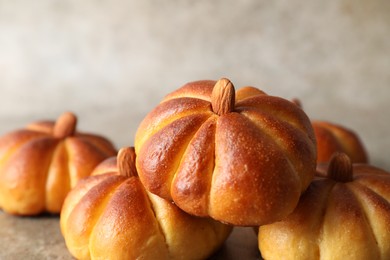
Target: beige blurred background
x,y
111,62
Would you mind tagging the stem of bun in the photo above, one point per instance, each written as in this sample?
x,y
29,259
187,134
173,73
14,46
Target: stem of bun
x,y
65,125
340,168
223,97
126,162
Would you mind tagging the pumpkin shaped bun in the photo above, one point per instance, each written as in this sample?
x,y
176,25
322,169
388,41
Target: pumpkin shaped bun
x,y
242,157
333,138
111,216
344,214
42,162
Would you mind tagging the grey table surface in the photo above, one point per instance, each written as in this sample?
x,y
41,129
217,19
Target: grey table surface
x,y
40,238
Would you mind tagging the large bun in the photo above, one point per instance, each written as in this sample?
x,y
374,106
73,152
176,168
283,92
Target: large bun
x,y
240,157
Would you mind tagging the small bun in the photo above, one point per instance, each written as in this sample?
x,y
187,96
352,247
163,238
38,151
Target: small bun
x,y
39,164
333,138
111,216
344,214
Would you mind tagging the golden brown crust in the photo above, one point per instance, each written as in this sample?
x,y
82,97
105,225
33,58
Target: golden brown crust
x,y
335,138
201,89
127,227
100,143
189,153
58,181
73,198
247,92
83,158
335,220
374,200
302,228
41,126
166,113
106,166
160,155
191,183
110,216
23,177
188,237
37,169
248,170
